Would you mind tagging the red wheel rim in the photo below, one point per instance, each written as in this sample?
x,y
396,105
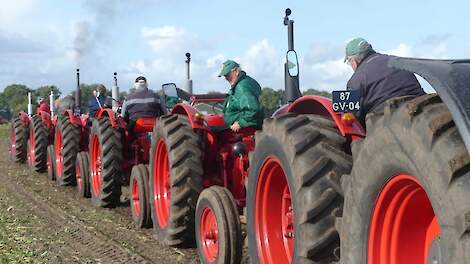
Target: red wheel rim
x,y
403,224
31,148
78,177
96,166
135,197
274,214
58,153
161,186
13,142
209,234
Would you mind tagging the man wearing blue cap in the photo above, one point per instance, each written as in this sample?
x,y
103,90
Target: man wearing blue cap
x,y
376,81
241,107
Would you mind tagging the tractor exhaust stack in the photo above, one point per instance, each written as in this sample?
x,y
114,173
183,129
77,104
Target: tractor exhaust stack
x,y
51,103
30,105
78,94
189,83
115,92
291,82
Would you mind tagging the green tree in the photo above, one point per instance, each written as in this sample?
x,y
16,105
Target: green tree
x,y
312,91
271,99
45,91
15,98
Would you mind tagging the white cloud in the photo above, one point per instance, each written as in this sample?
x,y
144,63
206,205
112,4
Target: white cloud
x,y
14,12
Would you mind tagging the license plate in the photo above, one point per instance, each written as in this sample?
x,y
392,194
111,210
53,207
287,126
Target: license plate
x,y
346,101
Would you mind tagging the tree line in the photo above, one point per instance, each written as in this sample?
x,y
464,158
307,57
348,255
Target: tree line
x,y
14,97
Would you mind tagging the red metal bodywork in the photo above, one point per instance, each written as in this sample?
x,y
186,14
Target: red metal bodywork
x,y
221,166
312,104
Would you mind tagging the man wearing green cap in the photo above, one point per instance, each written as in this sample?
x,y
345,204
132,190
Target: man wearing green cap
x,y
241,107
376,81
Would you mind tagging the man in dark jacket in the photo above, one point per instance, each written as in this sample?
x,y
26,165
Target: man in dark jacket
x,y
141,103
98,100
241,107
376,81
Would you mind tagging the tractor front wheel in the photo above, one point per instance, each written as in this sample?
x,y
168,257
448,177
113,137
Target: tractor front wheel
x,y
82,174
51,163
408,197
140,207
218,231
293,193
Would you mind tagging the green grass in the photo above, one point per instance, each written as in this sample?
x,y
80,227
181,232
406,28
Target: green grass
x,y
5,131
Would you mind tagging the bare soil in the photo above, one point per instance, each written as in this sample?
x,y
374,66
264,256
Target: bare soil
x,y
43,223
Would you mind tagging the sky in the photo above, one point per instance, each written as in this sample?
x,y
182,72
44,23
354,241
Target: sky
x,y
43,41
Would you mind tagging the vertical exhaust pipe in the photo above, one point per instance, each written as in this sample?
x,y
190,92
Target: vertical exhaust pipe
x,y
78,95
51,103
115,93
30,105
189,82
291,82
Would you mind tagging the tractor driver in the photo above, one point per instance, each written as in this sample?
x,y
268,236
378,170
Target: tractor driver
x,y
143,102
98,100
376,81
241,107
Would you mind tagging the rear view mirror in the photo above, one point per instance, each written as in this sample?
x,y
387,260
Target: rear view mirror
x,y
169,89
292,63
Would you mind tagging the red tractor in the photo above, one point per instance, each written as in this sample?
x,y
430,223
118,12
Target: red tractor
x,y
199,183
406,199
31,134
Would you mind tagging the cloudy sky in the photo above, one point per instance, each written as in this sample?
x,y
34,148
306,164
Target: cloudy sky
x,y
43,41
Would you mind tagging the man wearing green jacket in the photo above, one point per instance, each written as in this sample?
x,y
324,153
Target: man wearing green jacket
x,y
241,107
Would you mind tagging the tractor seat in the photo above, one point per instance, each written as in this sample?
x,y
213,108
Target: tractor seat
x,y
144,124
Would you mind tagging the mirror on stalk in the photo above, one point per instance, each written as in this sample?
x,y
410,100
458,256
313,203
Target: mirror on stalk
x,y
292,63
171,94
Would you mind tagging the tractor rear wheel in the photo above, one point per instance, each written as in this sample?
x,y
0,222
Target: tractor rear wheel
x,y
82,174
408,197
51,163
38,141
293,194
140,207
19,140
218,230
66,142
106,163
175,179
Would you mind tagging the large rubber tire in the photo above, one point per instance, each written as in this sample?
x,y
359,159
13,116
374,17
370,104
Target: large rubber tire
x,y
66,142
181,145
216,212
417,137
19,140
51,163
82,174
38,140
105,154
293,190
140,207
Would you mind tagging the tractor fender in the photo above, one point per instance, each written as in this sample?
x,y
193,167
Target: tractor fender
x,y
451,80
115,121
46,119
189,111
312,104
24,118
75,120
